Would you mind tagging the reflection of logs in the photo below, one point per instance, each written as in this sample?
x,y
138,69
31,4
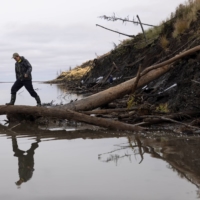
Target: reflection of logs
x,y
182,155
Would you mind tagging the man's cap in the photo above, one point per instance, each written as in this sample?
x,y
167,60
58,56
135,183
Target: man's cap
x,y
15,55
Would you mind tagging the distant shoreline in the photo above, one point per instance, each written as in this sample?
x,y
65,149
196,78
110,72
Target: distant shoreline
x,y
13,81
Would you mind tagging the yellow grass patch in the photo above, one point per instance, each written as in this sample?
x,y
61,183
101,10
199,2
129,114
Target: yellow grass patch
x,y
75,73
164,42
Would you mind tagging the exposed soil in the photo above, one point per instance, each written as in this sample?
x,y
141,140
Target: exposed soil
x,y
185,76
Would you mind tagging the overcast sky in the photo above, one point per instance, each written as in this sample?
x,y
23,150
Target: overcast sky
x,y
57,34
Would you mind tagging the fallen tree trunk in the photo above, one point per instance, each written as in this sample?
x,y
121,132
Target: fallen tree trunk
x,y
67,114
108,111
107,96
149,74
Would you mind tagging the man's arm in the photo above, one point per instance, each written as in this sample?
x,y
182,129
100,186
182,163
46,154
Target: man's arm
x,y
29,68
16,71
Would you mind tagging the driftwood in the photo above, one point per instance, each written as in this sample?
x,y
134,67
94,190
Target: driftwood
x,y
175,116
108,111
160,119
130,114
136,80
115,31
142,28
67,114
113,18
196,81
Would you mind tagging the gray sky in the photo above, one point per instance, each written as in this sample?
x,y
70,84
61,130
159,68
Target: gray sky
x,y
56,34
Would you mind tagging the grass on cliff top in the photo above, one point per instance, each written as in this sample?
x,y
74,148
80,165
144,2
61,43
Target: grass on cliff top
x,y
75,73
183,15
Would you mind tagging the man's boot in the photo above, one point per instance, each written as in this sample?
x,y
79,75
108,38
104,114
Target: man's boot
x,y
12,101
38,101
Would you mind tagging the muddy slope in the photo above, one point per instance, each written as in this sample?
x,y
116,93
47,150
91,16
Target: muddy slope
x,y
179,88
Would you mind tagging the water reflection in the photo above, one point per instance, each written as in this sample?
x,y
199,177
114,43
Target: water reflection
x,y
65,95
144,162
181,154
25,160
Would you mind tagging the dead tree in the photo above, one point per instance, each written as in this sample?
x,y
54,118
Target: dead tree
x,y
142,29
113,18
126,19
116,31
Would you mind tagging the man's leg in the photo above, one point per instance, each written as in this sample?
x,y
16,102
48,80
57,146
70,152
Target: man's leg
x,y
29,86
16,86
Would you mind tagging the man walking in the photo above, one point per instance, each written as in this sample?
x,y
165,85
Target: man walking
x,y
23,78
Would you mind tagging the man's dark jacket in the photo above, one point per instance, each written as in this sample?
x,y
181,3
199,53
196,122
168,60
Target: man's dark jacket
x,y
22,68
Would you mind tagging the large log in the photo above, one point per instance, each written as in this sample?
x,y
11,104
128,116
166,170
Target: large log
x,y
109,95
67,114
149,74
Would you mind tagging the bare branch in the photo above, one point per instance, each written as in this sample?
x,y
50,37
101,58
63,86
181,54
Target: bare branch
x,y
126,19
195,81
136,80
116,31
142,29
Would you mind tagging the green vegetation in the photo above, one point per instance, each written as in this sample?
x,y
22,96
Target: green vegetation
x,y
182,18
131,102
163,107
164,42
185,14
154,33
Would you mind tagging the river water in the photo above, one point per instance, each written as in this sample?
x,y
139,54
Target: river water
x,y
93,164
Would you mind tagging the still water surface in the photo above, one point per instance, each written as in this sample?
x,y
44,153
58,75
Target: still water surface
x,y
83,166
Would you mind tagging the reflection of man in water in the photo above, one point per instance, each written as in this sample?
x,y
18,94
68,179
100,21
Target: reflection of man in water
x,y
25,161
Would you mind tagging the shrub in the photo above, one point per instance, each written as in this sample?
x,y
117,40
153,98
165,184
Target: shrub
x,y
180,26
185,14
164,42
163,107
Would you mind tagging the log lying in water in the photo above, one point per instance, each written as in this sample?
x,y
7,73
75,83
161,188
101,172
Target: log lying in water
x,y
67,114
